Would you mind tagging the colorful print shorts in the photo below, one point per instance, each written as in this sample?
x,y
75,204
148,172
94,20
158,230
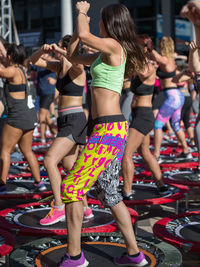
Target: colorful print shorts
x,y
104,145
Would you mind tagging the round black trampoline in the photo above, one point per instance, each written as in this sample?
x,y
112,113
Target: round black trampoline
x,y
146,193
23,188
185,177
7,243
25,218
182,230
98,249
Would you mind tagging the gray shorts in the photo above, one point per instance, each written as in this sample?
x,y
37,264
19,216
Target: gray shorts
x,y
106,186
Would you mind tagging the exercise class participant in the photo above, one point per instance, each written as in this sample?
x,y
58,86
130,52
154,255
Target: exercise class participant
x,y
45,93
120,53
21,116
71,121
141,125
191,11
174,99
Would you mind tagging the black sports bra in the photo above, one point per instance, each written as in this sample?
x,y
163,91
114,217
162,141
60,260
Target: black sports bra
x,y
14,88
165,75
140,89
67,87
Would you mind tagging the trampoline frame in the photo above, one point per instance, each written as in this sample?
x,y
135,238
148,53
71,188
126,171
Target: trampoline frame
x,y
161,232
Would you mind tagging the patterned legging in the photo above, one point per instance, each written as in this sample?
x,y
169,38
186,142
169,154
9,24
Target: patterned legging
x,y
170,110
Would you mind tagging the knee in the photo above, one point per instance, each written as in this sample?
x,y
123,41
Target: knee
x,y
158,125
49,162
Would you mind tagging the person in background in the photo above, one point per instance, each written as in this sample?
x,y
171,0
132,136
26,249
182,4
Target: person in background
x,y
141,125
71,122
191,11
174,99
21,116
45,92
126,99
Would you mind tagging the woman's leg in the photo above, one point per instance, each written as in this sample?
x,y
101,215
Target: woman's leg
x,y
175,122
151,161
42,119
158,136
7,145
61,147
25,144
74,219
123,220
135,138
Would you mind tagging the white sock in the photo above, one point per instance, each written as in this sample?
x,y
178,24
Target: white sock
x,y
59,207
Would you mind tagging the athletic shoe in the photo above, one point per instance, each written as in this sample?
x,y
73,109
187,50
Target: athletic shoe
x,y
197,171
41,187
88,213
126,260
67,262
129,197
185,156
3,189
159,160
55,215
163,190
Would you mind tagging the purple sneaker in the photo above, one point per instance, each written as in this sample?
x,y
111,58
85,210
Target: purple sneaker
x,y
126,260
67,262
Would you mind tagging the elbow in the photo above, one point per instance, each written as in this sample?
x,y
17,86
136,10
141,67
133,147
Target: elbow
x,y
83,36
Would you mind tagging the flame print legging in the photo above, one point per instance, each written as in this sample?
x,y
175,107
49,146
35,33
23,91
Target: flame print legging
x,y
104,145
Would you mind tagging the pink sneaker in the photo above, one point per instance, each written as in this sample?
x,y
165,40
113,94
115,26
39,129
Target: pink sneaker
x,y
88,213
55,215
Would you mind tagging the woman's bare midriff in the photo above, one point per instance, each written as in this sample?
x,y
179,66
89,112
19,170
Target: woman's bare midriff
x,y
105,102
69,101
142,101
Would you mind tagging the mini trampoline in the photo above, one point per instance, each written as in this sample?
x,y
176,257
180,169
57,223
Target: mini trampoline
x,y
25,220
146,194
7,242
23,188
185,177
98,249
22,167
182,230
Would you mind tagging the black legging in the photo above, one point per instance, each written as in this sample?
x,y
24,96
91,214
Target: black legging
x,y
185,112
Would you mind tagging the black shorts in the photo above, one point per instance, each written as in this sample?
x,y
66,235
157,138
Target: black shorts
x,y
46,100
142,119
73,126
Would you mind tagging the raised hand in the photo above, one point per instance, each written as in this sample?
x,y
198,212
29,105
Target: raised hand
x,y
46,48
82,6
191,11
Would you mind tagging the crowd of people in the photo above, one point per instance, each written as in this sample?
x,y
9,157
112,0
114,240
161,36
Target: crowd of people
x,y
112,92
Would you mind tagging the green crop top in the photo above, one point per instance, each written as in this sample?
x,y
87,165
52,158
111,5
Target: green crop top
x,y
107,76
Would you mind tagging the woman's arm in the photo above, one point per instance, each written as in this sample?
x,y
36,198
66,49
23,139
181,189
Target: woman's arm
x,y
7,73
73,54
182,76
194,60
2,54
37,60
157,57
105,45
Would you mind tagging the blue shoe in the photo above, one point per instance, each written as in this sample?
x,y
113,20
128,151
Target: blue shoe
x,y
3,189
41,187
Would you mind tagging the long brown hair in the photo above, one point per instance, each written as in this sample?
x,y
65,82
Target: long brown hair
x,y
120,26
